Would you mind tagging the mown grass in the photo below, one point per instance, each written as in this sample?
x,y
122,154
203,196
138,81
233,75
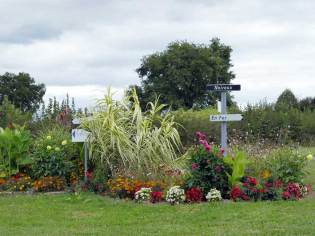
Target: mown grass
x,y
90,214
96,215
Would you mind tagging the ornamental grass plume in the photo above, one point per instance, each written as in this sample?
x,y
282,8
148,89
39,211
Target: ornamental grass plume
x,y
127,140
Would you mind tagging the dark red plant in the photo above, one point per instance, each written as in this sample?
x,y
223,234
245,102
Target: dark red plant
x,y
156,196
292,191
193,195
236,193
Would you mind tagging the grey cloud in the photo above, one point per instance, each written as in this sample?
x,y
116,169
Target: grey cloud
x,y
100,43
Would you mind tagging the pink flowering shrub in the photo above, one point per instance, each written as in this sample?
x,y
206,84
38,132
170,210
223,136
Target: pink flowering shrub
x,y
207,168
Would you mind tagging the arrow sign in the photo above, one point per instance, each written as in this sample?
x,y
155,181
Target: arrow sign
x,y
226,117
223,87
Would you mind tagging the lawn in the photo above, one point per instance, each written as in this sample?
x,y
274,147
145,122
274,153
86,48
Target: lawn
x,y
89,214
95,215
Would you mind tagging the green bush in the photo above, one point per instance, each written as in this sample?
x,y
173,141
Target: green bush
x,y
285,164
14,150
53,153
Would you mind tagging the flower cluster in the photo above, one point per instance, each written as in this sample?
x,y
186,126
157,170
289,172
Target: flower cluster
x,y
175,195
292,192
156,196
214,195
144,194
125,187
193,195
18,183
50,183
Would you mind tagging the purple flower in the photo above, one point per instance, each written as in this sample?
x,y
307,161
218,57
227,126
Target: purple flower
x,y
217,168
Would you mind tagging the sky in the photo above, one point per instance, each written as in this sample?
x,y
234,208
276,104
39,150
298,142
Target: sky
x,y
81,47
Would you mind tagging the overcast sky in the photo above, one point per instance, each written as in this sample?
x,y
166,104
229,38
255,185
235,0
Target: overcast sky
x,y
82,46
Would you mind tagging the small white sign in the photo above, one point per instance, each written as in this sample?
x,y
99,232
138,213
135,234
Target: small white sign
x,y
226,117
79,135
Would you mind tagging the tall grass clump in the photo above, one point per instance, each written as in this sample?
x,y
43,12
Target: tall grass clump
x,y
128,141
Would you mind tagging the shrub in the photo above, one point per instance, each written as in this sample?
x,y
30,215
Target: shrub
x,y
193,195
175,195
53,154
207,169
287,165
14,150
214,195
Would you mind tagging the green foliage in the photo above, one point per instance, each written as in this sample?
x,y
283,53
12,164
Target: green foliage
x,y
9,115
307,104
179,74
22,91
53,153
238,164
286,100
192,120
286,164
14,150
128,141
208,170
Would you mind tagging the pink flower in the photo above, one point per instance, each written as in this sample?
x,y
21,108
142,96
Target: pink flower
x,y
200,135
194,166
207,147
222,150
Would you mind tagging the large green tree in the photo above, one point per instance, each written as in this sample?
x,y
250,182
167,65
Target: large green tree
x,y
22,91
179,74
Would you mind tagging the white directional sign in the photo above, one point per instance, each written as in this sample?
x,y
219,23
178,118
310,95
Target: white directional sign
x,y
79,135
226,117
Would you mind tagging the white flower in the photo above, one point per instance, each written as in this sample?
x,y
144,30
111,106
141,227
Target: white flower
x,y
144,194
175,195
214,195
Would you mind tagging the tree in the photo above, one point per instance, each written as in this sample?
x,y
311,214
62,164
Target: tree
x,y
307,104
286,100
179,74
9,115
22,91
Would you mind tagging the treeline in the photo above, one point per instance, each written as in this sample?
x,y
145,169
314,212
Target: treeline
x,y
285,121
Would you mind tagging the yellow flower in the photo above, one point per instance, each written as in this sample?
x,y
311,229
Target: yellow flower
x,y
64,142
309,157
266,174
48,147
48,137
57,149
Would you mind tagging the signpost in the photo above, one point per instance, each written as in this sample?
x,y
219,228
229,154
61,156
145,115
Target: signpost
x,y
223,117
80,136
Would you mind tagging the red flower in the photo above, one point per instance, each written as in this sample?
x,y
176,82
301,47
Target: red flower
x,y
252,181
236,193
194,166
286,195
262,190
156,196
193,195
245,197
